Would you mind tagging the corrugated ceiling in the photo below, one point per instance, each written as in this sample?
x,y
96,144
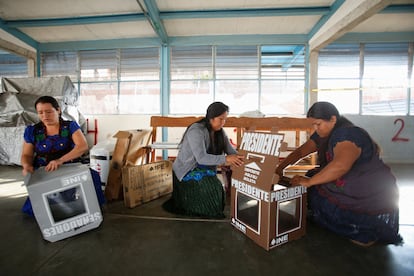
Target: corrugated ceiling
x,y
49,24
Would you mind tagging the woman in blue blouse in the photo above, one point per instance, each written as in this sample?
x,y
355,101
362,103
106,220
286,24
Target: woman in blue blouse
x,y
353,193
196,189
53,142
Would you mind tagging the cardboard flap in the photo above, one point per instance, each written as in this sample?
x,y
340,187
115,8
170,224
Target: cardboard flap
x,y
283,147
258,170
129,149
138,157
274,129
122,134
137,148
261,152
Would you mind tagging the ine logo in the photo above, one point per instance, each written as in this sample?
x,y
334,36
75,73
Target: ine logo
x,y
280,240
160,166
238,225
74,179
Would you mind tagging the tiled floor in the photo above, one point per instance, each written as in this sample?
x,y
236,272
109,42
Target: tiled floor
x,y
148,241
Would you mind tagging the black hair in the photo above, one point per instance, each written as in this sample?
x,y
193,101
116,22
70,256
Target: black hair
x,y
325,111
216,109
217,142
53,102
48,99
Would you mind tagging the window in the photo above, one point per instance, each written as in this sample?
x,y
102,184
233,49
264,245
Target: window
x,y
385,79
140,81
140,64
237,77
99,85
366,78
60,64
115,81
246,78
338,77
12,66
357,78
282,79
411,91
191,79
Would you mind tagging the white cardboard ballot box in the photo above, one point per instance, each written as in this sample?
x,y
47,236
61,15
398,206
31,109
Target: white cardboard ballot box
x,y
64,201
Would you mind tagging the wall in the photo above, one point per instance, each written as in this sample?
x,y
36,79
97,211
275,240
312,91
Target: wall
x,y
395,134
109,125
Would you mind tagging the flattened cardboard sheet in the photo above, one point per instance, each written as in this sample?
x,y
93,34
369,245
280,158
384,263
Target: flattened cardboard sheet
x,y
147,182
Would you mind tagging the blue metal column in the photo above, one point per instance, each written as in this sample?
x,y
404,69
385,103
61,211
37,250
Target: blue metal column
x,y
165,92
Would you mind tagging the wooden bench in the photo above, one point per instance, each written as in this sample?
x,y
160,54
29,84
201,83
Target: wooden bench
x,y
300,128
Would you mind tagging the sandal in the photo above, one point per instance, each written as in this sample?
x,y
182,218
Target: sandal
x,y
363,244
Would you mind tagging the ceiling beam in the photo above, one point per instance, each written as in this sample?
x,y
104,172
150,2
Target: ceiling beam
x,y
297,52
114,18
99,44
347,16
19,35
334,7
173,41
245,13
238,40
154,19
376,37
218,40
406,8
84,20
13,48
323,32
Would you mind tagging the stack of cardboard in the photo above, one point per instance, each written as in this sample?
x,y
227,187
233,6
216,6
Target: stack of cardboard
x,y
130,149
130,176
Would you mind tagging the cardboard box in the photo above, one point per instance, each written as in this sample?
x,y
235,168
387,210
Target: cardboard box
x,y
266,211
130,149
144,183
64,201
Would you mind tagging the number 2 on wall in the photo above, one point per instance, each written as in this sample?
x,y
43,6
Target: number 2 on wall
x,y
397,137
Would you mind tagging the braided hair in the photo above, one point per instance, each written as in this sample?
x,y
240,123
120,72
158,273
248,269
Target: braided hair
x,y
217,142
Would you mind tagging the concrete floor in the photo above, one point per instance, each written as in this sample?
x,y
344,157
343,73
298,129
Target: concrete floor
x,y
148,241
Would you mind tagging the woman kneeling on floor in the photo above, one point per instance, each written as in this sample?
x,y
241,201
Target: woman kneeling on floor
x,y
53,142
353,193
197,191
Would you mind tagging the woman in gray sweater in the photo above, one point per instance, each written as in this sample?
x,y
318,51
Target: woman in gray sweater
x,y
196,189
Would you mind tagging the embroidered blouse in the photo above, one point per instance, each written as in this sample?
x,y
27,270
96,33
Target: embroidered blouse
x,y
50,147
369,186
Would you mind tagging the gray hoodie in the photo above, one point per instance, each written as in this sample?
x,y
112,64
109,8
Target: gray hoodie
x,y
193,151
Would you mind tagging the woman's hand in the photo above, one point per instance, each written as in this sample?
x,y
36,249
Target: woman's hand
x,y
235,160
299,180
54,165
27,169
